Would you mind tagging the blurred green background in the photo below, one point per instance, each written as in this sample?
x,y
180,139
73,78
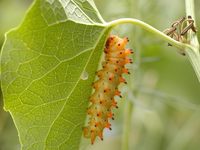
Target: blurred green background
x,y
163,90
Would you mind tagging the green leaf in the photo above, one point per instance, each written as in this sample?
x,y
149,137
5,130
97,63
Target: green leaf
x,y
43,63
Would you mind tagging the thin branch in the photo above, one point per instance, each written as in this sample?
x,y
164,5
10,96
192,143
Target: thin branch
x,y
127,125
151,29
192,49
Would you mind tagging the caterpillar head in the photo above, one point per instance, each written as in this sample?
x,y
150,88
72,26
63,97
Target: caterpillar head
x,y
114,43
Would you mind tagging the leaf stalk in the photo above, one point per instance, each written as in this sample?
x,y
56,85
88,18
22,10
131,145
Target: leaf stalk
x,y
192,49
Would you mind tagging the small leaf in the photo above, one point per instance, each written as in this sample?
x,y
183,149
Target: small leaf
x,y
42,63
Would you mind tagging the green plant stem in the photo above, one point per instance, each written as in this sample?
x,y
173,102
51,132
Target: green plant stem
x,y
127,125
194,55
192,50
151,29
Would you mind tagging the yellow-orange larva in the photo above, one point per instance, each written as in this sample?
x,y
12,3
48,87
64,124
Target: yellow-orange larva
x,y
106,87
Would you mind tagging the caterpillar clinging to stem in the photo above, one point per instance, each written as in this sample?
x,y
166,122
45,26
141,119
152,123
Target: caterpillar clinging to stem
x,y
106,87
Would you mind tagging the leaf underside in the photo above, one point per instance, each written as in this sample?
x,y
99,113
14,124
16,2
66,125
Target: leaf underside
x,y
42,64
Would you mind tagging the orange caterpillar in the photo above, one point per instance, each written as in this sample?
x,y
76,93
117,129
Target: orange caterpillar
x,y
106,87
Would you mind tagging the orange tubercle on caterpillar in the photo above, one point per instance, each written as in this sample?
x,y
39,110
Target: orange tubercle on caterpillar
x,y
106,87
